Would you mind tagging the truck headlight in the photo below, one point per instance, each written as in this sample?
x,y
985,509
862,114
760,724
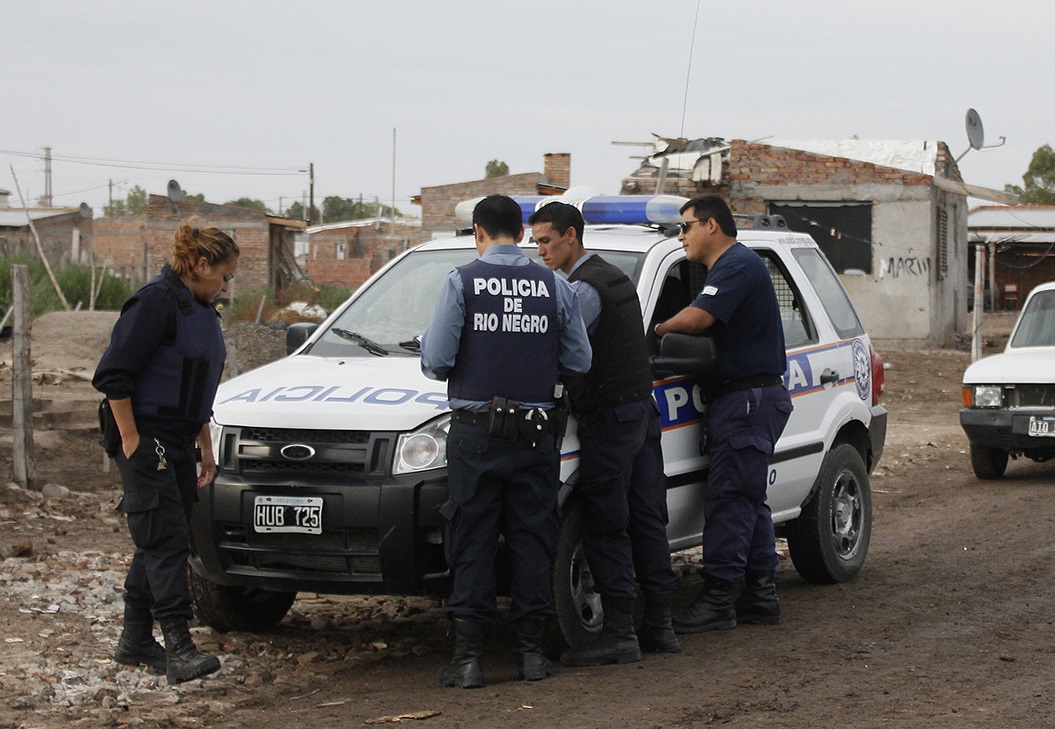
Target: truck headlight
x,y
423,449
988,396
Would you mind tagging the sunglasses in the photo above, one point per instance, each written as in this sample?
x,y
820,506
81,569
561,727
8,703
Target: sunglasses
x,y
684,227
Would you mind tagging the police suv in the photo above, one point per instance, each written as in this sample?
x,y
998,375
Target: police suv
x,y
331,462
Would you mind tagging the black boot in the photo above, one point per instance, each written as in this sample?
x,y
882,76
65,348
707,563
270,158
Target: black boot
x,y
532,665
758,604
464,670
184,660
137,646
711,610
616,642
657,633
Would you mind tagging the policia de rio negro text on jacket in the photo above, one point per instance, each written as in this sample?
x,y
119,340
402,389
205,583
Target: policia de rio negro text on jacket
x,y
160,374
503,332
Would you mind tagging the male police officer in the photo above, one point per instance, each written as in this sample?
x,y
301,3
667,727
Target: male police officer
x,y
748,408
621,480
504,330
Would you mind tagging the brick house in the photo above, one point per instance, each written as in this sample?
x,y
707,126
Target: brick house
x,y
65,233
138,245
438,202
346,254
890,216
1019,243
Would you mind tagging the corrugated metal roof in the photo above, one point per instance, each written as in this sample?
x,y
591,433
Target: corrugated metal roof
x,y
1012,217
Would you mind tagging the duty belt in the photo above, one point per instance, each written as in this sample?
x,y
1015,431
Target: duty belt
x,y
748,383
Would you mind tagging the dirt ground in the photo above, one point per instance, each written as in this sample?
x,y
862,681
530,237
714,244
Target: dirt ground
x,y
949,624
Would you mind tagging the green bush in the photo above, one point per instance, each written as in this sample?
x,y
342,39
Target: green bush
x,y
75,282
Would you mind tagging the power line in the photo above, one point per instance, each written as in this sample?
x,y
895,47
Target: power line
x,y
161,166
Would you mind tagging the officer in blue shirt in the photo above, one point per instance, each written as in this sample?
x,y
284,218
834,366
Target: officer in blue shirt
x,y
159,375
621,479
504,331
748,407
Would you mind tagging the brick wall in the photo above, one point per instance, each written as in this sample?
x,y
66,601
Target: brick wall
x,y
557,168
367,247
56,238
437,203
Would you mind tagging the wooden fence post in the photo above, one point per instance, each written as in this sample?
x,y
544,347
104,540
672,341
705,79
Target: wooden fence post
x,y
21,379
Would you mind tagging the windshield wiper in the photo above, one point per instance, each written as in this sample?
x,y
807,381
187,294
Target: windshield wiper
x,y
412,345
368,344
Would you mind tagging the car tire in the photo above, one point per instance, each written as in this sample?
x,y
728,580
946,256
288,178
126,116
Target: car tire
x,y
578,607
829,539
238,608
988,463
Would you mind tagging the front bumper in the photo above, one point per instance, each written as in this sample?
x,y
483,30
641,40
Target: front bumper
x,y
379,536
1007,430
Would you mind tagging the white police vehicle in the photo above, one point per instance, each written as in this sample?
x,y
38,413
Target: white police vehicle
x,y
331,462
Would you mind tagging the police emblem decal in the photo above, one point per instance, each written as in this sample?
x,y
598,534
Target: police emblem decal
x,y
862,369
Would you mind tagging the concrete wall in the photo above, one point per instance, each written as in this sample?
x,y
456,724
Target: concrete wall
x,y
66,238
365,248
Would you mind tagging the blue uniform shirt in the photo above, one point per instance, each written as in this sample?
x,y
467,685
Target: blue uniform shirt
x,y
748,336
589,299
440,342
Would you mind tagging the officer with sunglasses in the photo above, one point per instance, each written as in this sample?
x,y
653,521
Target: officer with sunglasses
x,y
748,407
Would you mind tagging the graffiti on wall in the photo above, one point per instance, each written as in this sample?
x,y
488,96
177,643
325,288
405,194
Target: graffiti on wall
x,y
903,267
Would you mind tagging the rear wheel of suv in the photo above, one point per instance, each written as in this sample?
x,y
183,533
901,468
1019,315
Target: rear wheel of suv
x,y
829,540
238,608
988,463
579,614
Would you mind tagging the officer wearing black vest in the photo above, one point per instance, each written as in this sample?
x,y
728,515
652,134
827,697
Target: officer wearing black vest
x,y
160,374
505,329
621,480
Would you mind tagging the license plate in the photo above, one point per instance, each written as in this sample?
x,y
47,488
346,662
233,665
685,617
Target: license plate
x,y
301,515
1042,426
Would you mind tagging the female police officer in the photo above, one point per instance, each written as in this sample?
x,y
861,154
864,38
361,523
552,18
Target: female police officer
x,y
159,375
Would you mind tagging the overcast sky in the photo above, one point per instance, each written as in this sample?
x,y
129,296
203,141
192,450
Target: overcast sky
x,y
233,97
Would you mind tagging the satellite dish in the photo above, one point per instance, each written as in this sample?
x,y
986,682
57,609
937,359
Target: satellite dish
x,y
85,211
975,134
175,192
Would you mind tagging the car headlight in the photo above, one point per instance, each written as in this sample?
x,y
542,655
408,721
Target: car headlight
x,y
423,449
988,396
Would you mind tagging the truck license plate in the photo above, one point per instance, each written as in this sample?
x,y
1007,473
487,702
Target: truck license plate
x,y
1042,426
301,515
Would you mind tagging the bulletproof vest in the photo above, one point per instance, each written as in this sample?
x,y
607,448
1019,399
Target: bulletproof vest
x,y
619,372
510,341
180,381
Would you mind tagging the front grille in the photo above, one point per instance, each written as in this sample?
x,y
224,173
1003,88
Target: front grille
x,y
345,551
1033,396
253,451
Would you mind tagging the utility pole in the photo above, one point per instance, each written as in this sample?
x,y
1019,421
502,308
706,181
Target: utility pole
x,y
47,177
311,190
111,196
393,174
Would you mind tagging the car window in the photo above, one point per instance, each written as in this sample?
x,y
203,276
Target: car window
x,y
797,328
831,292
395,307
1036,328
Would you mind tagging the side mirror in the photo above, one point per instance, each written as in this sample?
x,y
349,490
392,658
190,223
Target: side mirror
x,y
297,334
684,354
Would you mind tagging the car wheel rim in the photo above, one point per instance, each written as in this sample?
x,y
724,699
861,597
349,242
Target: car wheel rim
x,y
586,601
847,514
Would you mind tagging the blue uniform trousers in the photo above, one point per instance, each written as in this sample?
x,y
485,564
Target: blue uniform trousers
x,y
508,489
157,504
742,429
624,492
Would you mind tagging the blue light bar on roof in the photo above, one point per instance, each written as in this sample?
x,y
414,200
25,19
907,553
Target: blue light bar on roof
x,y
598,209
631,209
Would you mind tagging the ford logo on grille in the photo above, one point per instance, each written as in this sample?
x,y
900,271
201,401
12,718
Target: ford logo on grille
x,y
297,452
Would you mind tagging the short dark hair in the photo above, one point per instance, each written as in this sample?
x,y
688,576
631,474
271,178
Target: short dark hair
x,y
499,215
561,216
712,206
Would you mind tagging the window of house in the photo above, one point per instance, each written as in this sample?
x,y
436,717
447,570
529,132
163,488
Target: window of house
x,y
842,230
340,251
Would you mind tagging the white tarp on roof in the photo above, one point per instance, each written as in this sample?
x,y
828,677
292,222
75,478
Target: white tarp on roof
x,y
914,156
